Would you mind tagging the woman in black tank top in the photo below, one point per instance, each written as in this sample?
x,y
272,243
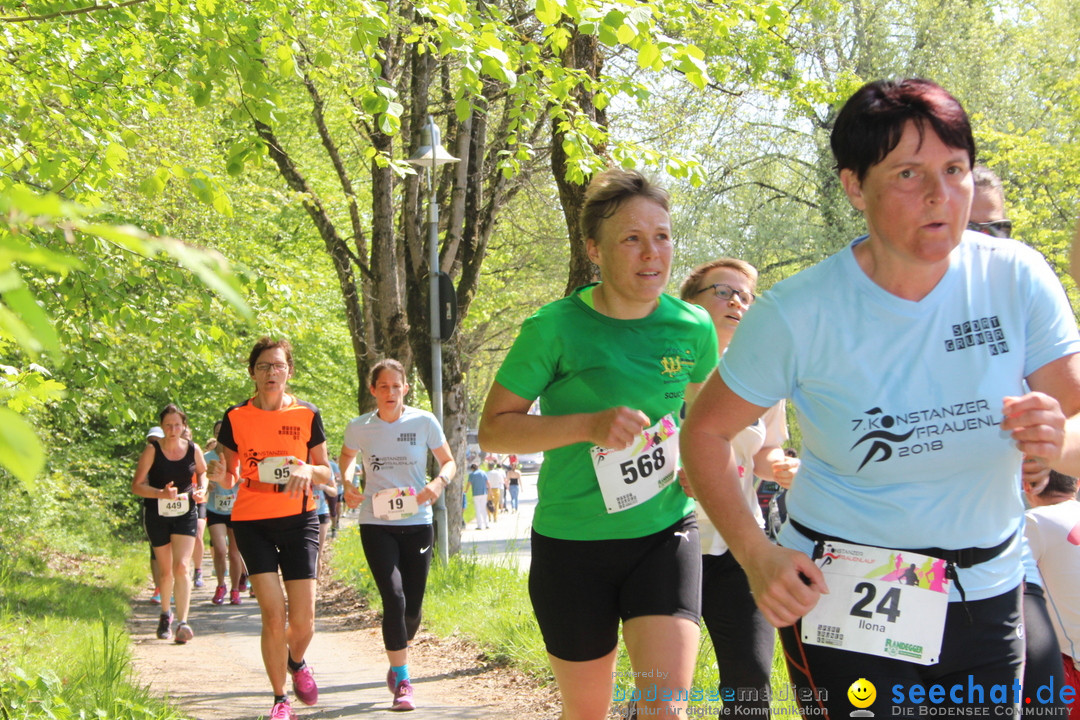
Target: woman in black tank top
x,y
171,479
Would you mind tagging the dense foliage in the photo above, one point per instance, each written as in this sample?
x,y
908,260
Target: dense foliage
x,y
177,178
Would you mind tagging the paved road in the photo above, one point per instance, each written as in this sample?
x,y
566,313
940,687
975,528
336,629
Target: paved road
x,y
507,539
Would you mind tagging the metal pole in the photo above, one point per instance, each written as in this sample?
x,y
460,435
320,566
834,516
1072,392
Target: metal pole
x,y
443,536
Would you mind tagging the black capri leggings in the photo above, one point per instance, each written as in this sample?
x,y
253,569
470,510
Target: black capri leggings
x,y
399,557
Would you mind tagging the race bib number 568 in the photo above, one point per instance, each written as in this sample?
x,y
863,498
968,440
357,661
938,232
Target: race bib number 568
x,y
630,477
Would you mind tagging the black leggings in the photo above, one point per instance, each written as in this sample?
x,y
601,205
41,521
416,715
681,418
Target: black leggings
x,y
399,557
741,636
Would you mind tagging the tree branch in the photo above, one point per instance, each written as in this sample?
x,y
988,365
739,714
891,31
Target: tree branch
x,y
75,11
334,154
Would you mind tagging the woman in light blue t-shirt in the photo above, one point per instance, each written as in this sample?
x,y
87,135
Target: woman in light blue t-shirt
x,y
923,361
395,508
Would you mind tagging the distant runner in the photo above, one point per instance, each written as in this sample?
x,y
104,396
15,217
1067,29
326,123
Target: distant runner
x,y
395,514
171,478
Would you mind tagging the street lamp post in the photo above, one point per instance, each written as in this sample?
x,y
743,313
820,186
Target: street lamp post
x,y
430,155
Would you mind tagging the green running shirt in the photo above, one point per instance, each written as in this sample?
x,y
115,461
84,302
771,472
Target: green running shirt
x,y
577,360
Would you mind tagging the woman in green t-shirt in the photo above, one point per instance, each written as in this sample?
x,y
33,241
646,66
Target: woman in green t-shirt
x,y
614,537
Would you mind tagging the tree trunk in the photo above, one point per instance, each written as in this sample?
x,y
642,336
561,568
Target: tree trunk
x,y
583,52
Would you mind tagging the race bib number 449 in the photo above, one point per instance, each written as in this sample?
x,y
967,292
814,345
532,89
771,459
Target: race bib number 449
x,y
883,602
174,507
630,477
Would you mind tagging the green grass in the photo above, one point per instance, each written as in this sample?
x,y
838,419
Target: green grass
x,y
64,651
488,603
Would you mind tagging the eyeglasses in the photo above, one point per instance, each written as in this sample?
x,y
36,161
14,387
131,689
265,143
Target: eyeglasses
x,y
994,228
267,367
726,292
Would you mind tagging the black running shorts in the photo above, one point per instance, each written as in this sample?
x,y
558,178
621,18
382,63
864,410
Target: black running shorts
x,y
291,543
581,589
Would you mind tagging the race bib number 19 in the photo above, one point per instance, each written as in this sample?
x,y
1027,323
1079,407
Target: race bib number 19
x,y
883,602
395,503
630,477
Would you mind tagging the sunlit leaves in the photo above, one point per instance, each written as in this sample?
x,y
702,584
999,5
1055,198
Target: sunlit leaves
x,y
20,452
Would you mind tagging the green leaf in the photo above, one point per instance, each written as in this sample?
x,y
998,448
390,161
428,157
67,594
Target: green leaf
x,y
212,269
548,12
608,35
20,451
22,303
389,124
649,57
115,155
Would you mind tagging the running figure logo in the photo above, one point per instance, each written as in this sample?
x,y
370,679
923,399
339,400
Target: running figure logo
x,y
880,450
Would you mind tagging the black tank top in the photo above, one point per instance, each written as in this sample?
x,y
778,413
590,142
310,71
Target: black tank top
x,y
178,472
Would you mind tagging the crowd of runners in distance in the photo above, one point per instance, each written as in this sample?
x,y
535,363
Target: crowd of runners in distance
x,y
933,365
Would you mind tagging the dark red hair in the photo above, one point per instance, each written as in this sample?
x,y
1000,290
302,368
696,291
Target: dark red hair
x,y
871,122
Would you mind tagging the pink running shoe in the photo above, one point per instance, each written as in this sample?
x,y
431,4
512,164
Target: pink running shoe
x,y
183,633
403,699
303,683
234,597
219,595
282,711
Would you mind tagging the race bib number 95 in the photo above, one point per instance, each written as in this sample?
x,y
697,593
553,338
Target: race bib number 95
x,y
630,477
883,602
277,470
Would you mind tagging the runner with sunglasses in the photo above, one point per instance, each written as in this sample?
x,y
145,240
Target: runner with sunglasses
x,y
988,205
1043,657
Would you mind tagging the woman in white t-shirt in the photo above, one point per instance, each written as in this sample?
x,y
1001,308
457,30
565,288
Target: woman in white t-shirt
x,y
742,638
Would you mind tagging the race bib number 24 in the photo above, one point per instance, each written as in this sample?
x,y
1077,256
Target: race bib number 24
x,y
890,603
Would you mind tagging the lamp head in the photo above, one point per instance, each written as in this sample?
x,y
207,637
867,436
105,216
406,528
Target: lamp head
x,y
431,152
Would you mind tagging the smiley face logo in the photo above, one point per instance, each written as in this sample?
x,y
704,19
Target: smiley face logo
x,y
862,693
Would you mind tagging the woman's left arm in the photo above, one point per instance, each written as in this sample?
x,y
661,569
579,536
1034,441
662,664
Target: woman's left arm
x,y
315,472
1045,423
447,470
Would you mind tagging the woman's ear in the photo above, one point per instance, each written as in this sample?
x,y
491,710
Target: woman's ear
x,y
853,188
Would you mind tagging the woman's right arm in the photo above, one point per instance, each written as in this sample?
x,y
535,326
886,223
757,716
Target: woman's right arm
x,y
507,427
223,471
785,583
347,463
140,485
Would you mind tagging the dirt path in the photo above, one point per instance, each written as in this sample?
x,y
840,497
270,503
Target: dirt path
x,y
220,676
